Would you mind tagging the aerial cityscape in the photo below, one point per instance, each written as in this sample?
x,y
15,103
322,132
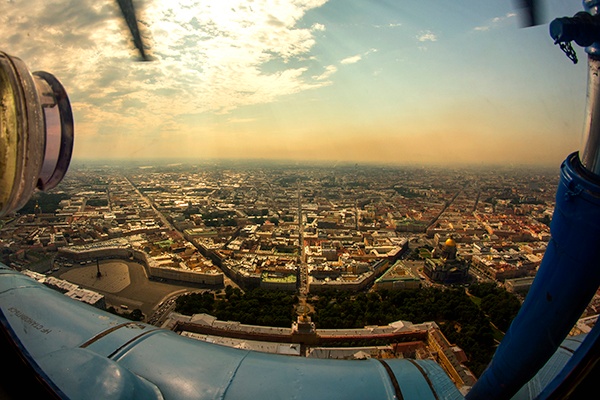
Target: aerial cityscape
x,y
299,199
139,239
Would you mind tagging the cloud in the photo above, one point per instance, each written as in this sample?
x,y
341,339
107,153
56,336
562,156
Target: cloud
x,y
318,27
495,22
356,58
427,36
390,25
329,70
210,56
351,60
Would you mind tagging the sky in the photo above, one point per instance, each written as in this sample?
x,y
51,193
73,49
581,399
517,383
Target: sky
x,y
365,81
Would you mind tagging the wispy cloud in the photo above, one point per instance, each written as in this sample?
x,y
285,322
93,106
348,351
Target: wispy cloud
x,y
318,27
210,56
329,70
495,22
356,58
390,25
351,60
426,36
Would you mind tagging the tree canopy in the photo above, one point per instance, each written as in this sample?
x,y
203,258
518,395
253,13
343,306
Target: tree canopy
x,y
254,307
461,320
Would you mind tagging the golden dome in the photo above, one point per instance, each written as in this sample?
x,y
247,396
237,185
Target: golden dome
x,y
450,243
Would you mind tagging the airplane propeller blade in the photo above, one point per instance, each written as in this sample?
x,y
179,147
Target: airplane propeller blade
x,y
531,14
128,11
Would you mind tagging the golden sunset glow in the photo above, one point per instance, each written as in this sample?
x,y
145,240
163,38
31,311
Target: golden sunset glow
x,y
375,81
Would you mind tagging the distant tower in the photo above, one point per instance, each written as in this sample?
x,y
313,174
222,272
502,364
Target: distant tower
x,y
37,209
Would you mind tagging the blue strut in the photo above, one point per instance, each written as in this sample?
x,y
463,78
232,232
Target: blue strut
x,y
570,272
564,285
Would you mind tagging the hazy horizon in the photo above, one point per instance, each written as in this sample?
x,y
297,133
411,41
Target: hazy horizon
x,y
263,162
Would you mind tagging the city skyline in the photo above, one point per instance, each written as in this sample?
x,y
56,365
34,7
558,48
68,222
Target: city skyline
x,y
317,80
122,238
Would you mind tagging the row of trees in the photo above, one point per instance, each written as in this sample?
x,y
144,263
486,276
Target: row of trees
x,y
461,319
48,202
499,305
254,307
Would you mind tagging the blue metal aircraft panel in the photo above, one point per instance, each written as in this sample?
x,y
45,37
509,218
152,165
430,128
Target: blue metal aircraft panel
x,y
81,351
